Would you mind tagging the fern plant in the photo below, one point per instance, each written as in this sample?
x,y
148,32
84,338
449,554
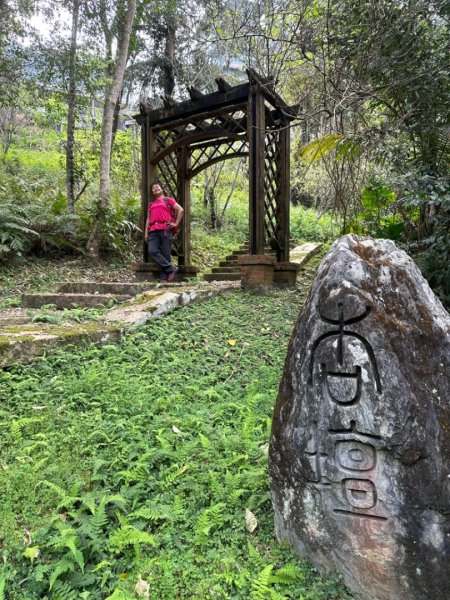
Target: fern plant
x,y
16,235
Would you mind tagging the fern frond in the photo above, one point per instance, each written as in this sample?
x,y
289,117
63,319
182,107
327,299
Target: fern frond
x,y
64,591
62,566
174,473
288,574
129,536
205,442
215,485
210,518
99,520
261,585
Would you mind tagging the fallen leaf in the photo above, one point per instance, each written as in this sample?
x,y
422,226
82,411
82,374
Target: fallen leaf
x,y
142,588
251,521
232,342
123,576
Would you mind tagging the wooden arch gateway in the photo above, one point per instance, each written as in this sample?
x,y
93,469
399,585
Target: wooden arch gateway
x,y
182,139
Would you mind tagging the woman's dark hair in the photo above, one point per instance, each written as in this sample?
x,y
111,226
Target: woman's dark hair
x,y
157,182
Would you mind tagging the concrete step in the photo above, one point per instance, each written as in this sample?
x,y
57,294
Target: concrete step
x,y
104,287
222,277
69,300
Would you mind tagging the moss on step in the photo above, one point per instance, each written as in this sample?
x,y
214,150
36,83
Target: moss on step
x,y
141,299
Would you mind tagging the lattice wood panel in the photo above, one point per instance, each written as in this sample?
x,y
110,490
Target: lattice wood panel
x,y
272,178
167,168
206,155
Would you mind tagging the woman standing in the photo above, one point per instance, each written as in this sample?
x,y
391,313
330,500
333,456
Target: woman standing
x,y
164,215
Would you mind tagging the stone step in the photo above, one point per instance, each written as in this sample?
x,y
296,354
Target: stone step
x,y
222,277
26,342
104,287
302,254
69,300
228,263
240,252
225,269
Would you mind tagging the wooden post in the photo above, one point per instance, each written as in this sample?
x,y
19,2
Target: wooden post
x,y
283,200
148,173
184,200
256,139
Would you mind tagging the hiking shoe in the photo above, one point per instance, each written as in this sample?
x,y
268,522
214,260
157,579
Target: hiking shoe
x,y
171,275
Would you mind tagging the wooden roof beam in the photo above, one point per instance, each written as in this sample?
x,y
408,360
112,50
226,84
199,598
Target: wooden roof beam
x,y
267,85
222,85
168,101
189,109
194,93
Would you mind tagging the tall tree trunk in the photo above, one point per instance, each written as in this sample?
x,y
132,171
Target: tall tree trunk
x,y
111,96
71,99
169,58
116,117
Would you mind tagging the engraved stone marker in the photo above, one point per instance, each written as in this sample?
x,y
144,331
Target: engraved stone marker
x,y
360,448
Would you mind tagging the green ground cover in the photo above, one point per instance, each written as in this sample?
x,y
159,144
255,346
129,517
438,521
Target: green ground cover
x,y
133,464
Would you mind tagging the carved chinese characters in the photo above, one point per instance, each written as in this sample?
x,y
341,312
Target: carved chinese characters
x,y
360,449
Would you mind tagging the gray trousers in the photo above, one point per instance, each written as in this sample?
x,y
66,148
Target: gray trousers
x,y
159,248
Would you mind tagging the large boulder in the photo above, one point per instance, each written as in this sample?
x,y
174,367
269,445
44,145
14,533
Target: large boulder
x,y
360,447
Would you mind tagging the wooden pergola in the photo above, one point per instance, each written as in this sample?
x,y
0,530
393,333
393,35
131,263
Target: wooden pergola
x,y
182,139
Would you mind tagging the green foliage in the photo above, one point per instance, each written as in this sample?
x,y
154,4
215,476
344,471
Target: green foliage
x,y
432,195
380,216
307,225
138,460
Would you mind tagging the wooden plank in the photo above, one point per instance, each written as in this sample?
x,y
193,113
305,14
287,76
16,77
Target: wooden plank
x,y
148,174
256,137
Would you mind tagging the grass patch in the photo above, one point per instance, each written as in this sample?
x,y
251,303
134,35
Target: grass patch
x,y
134,463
